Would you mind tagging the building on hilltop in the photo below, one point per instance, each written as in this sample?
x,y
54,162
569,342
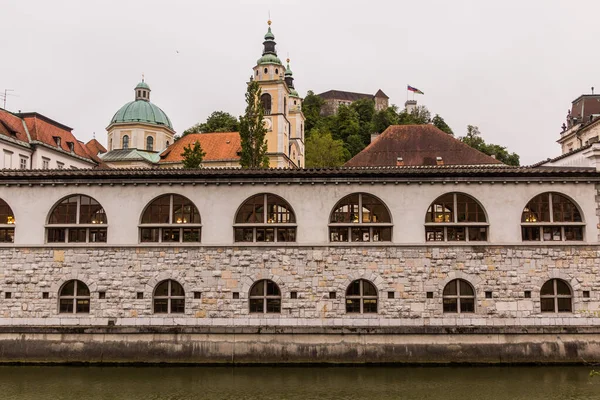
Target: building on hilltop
x,y
334,98
582,126
417,145
33,141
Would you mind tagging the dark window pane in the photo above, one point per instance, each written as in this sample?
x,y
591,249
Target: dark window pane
x,y
244,234
456,234
191,235
547,288
374,210
477,233
465,288
57,235
360,234
176,289
338,234
352,305
177,306
82,289
441,209
269,235
171,235
150,234
66,306
256,305
77,235
346,210
273,305
562,287
573,232
162,289
369,289
450,288
68,289
468,209
258,289
370,305
83,305
530,233
7,235
158,211
252,211
286,234
260,235
382,234
161,306
434,234
467,305
6,214
97,235
65,212
450,305
547,304
272,289
353,288
564,304
91,212
278,210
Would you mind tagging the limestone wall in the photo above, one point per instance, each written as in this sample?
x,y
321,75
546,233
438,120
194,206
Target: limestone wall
x,y
313,272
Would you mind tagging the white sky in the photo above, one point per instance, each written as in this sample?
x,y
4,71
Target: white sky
x,y
510,67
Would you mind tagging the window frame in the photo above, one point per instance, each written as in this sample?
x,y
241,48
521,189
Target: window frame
x,y
149,143
263,97
75,297
7,227
168,297
125,142
359,224
455,224
265,297
555,296
458,297
551,225
361,297
275,226
171,225
68,227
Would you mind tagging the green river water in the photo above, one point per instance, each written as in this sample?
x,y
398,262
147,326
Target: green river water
x,y
183,383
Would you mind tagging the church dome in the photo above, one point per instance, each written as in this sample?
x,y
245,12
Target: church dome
x,y
269,59
141,110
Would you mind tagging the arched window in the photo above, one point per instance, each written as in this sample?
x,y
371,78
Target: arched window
x,y
169,298
265,297
149,143
265,99
125,142
456,217
167,143
361,297
360,217
74,297
170,218
77,219
556,296
265,218
7,223
459,297
551,217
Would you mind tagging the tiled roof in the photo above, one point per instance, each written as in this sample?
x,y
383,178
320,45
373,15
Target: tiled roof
x,y
43,129
346,96
220,146
417,145
307,176
12,126
95,147
130,155
570,153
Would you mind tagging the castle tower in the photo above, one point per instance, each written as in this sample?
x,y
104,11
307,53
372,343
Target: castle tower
x,y
276,98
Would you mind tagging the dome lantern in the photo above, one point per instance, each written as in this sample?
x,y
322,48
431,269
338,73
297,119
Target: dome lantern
x,y
142,91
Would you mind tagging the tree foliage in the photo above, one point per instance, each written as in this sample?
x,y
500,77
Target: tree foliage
x,y
322,150
473,138
439,123
252,130
311,108
218,121
193,156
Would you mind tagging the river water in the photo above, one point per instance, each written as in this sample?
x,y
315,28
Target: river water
x,y
324,383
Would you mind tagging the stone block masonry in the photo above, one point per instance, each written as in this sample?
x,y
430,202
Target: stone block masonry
x,y
508,272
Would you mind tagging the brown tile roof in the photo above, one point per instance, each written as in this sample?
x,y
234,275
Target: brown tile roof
x,y
12,126
43,129
342,95
417,145
217,146
93,148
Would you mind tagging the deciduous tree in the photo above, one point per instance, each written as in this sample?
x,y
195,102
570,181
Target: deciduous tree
x,y
324,151
218,121
193,156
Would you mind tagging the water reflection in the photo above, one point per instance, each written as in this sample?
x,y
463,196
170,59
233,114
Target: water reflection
x,y
183,383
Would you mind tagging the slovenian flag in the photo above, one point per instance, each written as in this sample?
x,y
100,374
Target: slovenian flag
x,y
414,89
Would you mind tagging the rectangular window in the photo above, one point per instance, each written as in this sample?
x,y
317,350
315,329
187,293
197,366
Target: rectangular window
x,y
97,235
7,235
23,162
60,165
57,235
434,234
149,234
338,234
45,163
8,159
531,233
77,235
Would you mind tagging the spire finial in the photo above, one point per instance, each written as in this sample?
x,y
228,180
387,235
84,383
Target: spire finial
x,y
142,77
269,21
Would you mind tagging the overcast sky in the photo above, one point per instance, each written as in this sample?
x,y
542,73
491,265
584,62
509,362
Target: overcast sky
x,y
510,67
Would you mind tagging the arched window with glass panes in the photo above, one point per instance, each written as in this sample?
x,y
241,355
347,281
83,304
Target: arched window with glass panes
x,y
556,296
552,217
361,297
456,217
459,297
125,142
168,298
149,143
170,218
7,223
265,218
77,219
265,297
74,298
360,217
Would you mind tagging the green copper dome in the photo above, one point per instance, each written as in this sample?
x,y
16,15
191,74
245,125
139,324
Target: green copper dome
x,y
269,35
269,59
141,111
288,71
293,93
142,85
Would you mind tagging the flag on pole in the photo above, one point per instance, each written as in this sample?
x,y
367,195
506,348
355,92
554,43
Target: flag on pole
x,y
414,89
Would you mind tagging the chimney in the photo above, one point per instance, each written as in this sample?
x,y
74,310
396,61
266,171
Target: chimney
x,y
493,156
439,161
374,136
410,105
399,162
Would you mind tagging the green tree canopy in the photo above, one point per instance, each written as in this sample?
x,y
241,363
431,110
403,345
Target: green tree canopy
x,y
439,123
384,118
473,138
252,130
193,156
311,108
323,151
218,121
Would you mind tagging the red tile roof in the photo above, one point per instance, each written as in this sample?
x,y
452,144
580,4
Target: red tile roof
x,y
44,130
417,145
12,126
217,146
93,147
